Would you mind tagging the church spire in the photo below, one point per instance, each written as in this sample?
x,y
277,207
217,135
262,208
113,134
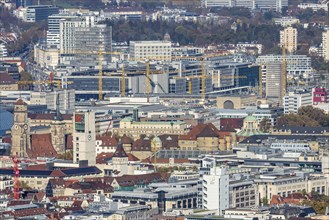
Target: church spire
x,y
58,113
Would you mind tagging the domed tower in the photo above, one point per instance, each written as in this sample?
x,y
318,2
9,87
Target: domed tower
x,y
57,129
20,132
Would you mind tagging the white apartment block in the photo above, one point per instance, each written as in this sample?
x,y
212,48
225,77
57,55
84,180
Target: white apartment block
x,y
325,45
288,38
286,21
156,50
218,3
294,100
314,6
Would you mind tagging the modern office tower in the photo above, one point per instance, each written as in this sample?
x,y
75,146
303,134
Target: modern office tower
x,y
84,137
218,3
325,45
274,80
40,12
157,50
294,100
276,5
93,39
288,38
54,30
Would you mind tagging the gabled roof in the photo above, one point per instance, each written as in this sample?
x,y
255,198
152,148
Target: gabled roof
x,y
141,145
169,140
235,123
107,141
126,140
201,130
41,146
102,158
57,173
20,102
120,151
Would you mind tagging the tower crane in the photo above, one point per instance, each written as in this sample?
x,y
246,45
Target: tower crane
x,y
16,178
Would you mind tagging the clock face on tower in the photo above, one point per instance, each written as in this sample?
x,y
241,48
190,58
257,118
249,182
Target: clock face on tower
x,y
25,126
89,137
16,127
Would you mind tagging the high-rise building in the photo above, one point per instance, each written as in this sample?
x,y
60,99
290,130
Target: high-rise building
x,y
288,38
274,80
158,50
93,39
325,45
40,12
216,193
84,137
294,100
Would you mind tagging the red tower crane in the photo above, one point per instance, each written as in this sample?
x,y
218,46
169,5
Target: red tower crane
x,y
16,176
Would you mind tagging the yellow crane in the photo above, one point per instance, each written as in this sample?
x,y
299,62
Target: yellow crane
x,y
100,67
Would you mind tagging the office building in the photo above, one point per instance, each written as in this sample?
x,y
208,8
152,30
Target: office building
x,y
3,51
325,45
84,137
288,38
54,30
296,65
274,80
46,56
294,100
66,100
276,5
157,50
37,13
93,39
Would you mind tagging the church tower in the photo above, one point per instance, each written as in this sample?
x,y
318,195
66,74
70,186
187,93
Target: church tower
x,y
120,160
57,129
20,132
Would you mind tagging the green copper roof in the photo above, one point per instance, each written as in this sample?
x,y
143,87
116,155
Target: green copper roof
x,y
250,118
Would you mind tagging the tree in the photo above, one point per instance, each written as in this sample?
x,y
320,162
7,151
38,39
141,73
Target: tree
x,y
265,125
24,185
264,201
315,114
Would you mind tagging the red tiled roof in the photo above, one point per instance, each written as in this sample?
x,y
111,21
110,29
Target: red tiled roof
x,y
126,140
103,157
29,212
39,196
41,146
169,141
6,79
132,180
141,145
18,202
107,141
235,123
20,102
120,151
201,130
57,173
